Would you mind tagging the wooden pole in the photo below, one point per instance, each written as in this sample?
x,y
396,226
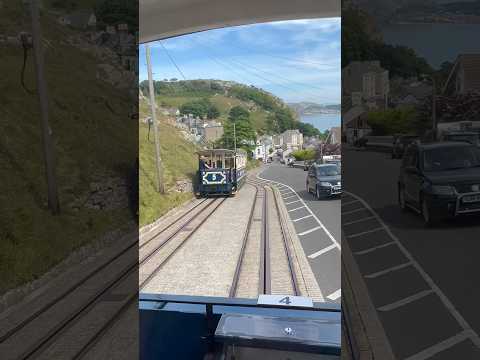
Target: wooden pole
x,y
53,202
160,185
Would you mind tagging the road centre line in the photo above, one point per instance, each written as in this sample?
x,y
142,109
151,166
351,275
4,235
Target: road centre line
x,y
337,244
443,298
369,250
303,217
359,220
335,295
406,300
388,270
364,232
310,231
352,211
292,202
441,346
298,208
321,252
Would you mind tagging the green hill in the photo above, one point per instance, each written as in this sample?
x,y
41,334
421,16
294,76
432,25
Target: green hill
x,y
179,164
268,113
93,142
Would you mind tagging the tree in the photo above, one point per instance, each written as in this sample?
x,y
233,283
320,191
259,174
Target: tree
x,y
238,112
301,155
201,108
112,12
392,121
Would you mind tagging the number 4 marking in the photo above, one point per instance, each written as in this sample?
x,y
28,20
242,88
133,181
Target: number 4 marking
x,y
285,300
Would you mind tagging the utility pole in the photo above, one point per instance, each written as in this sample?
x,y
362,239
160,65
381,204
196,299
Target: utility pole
x,y
160,186
234,138
53,202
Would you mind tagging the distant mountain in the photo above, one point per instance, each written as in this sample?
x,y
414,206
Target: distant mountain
x,y
307,108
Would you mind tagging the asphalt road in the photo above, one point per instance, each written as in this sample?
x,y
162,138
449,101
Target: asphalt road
x,y
317,223
422,281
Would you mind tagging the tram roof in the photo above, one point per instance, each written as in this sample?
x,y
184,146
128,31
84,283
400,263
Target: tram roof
x,y
211,152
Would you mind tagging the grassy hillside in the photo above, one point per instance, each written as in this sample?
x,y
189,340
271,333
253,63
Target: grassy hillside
x,y
93,140
268,114
179,163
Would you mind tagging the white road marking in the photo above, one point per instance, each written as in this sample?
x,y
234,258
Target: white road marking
x,y
335,295
359,220
292,202
388,270
405,301
288,197
310,231
321,252
350,202
443,298
337,244
369,250
303,217
298,208
365,232
352,211
441,346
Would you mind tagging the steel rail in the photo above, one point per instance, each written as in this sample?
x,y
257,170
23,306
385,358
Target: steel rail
x,y
241,255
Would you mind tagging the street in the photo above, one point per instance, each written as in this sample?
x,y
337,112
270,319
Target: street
x,y
317,223
422,281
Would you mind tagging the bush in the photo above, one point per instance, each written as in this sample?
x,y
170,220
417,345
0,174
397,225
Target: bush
x,y
302,155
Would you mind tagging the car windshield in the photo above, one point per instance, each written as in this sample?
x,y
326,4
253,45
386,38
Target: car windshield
x,y
450,158
329,170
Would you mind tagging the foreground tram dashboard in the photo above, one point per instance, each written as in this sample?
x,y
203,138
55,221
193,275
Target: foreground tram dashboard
x,y
220,172
212,328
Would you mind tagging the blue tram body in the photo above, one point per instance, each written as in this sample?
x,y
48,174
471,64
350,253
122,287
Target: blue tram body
x,y
220,172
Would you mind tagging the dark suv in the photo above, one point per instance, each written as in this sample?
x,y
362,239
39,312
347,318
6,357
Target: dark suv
x,y
440,180
324,180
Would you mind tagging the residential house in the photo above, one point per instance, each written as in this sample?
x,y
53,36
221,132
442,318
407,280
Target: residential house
x,y
335,135
354,124
212,133
82,19
365,87
465,75
263,148
365,83
292,140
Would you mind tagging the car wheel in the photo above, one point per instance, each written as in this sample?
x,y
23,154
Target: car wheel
x,y
401,198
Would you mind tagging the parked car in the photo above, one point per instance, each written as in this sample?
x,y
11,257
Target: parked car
x,y
467,136
334,162
400,143
307,164
440,180
324,180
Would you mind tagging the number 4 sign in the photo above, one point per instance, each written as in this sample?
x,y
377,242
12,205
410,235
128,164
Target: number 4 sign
x,y
285,300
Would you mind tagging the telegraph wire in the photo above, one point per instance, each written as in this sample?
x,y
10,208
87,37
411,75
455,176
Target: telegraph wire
x,y
172,60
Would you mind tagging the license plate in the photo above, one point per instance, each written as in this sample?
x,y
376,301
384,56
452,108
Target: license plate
x,y
471,198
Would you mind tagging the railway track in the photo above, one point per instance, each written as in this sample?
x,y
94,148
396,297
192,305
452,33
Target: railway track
x,y
54,316
262,212
173,242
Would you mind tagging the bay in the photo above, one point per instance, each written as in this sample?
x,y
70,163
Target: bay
x,y
435,42
322,121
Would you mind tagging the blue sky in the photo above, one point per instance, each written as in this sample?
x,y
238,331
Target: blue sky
x,y
296,60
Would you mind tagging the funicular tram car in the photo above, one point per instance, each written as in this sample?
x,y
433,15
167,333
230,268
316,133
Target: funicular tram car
x,y
220,172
